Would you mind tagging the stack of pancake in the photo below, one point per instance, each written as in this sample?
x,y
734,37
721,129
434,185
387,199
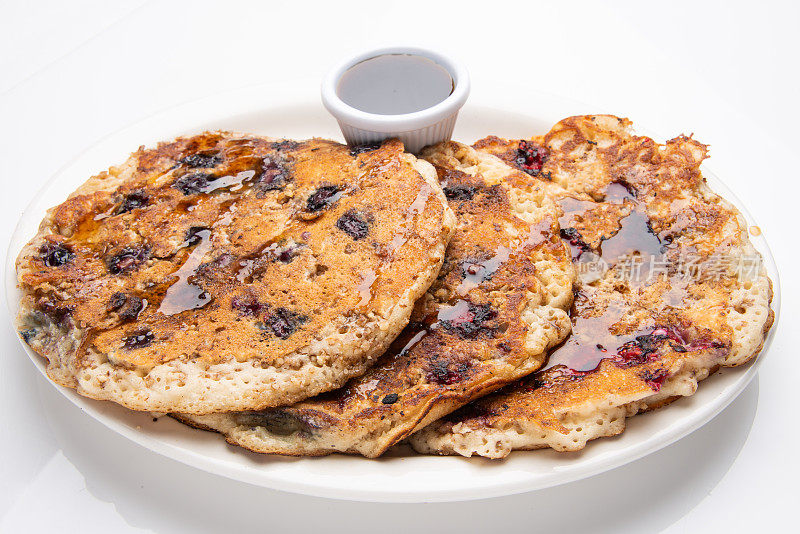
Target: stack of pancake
x,y
305,297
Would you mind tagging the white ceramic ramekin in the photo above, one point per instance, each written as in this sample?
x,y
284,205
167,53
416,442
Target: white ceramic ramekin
x,y
417,129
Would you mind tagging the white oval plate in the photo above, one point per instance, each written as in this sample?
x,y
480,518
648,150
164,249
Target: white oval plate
x,y
283,110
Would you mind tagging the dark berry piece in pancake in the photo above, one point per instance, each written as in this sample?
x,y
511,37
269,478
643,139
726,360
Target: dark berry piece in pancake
x,y
459,192
286,144
55,255
279,422
138,340
531,157
286,253
271,178
391,398
59,313
203,161
353,224
468,320
127,307
447,372
127,259
322,198
355,150
248,305
283,322
194,183
134,200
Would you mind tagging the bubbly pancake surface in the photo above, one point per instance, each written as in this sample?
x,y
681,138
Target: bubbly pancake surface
x,y
498,304
669,289
231,272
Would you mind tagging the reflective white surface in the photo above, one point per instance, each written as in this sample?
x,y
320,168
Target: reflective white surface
x,y
74,77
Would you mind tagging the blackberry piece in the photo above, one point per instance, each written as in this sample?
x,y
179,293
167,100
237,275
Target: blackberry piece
x,y
138,340
355,150
530,157
391,398
126,260
192,184
460,192
282,322
58,314
446,372
272,177
248,305
278,422
127,307
322,198
55,255
134,200
202,161
353,224
286,144
468,321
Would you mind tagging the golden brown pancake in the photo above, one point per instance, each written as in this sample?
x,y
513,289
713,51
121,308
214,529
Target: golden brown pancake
x,y
231,272
669,290
497,306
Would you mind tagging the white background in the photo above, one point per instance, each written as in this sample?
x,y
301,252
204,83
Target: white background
x,y
71,73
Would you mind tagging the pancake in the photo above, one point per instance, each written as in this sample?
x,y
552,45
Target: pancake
x,y
669,290
231,272
498,304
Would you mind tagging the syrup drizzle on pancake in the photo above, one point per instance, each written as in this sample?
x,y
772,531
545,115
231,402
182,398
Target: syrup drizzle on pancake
x,y
593,338
399,239
183,295
475,273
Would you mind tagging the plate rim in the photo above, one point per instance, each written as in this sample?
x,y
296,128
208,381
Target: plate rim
x,y
241,101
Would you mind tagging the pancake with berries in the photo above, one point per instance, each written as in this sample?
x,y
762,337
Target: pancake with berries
x,y
231,272
498,304
669,290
